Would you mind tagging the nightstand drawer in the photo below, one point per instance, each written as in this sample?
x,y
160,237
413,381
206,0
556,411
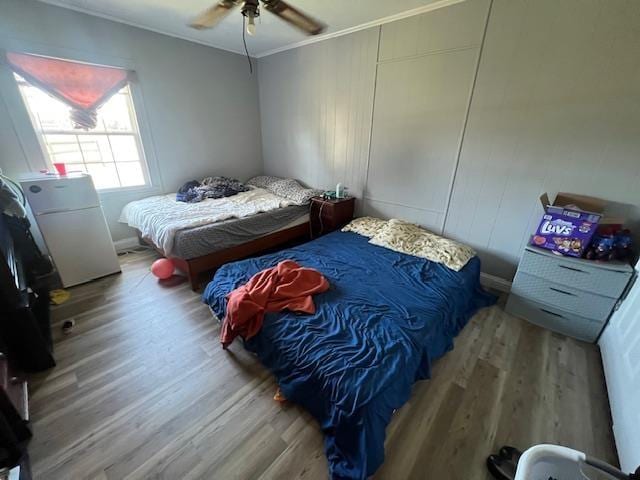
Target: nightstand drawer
x,y
332,218
329,215
585,304
576,274
554,318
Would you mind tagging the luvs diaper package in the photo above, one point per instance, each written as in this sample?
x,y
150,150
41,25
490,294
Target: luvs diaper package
x,y
568,224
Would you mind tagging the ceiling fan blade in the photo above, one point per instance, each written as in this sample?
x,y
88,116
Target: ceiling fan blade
x,y
295,17
210,17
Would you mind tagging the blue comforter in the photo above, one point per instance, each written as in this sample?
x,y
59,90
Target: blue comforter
x,y
376,331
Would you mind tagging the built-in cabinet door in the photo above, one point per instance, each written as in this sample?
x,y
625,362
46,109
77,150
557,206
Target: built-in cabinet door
x,y
425,74
419,115
620,346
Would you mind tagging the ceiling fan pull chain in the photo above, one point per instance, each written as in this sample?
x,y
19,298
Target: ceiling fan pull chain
x,y
246,50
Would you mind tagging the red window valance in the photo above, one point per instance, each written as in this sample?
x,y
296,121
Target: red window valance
x,y
82,86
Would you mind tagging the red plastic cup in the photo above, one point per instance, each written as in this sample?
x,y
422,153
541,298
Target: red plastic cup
x,y
61,168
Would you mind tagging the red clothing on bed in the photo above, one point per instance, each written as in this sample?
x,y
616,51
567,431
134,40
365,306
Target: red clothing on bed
x,y
285,286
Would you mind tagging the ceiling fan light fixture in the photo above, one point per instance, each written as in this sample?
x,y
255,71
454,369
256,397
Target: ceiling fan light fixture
x,y
251,10
251,25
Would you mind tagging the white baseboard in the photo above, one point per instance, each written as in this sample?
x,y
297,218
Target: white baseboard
x,y
126,244
495,283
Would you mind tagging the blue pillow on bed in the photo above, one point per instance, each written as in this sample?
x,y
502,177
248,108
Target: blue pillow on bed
x,y
210,187
186,192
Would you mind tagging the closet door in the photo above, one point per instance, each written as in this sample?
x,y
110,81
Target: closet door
x,y
620,346
425,74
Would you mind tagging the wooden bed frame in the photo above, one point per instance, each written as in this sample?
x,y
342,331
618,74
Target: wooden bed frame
x,y
194,267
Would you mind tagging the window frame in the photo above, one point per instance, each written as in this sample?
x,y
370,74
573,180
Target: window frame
x,y
136,133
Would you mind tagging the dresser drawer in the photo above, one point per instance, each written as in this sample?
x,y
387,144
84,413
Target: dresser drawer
x,y
575,274
582,303
554,319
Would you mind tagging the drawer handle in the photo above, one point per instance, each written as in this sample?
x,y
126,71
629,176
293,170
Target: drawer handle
x,y
562,291
572,269
551,313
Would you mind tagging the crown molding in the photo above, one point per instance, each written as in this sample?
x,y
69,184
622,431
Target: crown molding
x,y
363,26
307,41
106,16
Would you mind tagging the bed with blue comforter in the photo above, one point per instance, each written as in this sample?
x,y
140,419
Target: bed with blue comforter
x,y
386,317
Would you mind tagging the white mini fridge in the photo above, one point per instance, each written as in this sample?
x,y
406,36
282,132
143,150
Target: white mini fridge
x,y
68,213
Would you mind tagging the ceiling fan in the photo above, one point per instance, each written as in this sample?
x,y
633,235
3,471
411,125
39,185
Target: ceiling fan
x,y
251,9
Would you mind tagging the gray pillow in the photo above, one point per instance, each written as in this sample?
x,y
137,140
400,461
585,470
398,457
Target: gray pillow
x,y
292,190
262,181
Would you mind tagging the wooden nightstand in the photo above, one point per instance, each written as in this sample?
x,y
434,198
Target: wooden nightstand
x,y
329,215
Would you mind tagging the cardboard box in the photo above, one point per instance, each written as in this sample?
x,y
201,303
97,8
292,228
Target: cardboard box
x,y
569,223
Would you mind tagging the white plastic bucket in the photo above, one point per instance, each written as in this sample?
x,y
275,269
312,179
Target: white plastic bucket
x,y
543,462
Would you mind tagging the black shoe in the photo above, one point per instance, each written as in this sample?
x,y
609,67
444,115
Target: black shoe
x,y
501,468
510,453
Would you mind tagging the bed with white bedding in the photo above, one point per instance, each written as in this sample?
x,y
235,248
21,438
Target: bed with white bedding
x,y
202,236
159,218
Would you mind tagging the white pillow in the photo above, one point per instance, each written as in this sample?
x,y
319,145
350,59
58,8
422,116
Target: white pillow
x,y
292,190
365,226
405,237
262,181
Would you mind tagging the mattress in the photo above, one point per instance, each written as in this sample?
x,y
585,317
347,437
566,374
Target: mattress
x,y
385,318
161,217
205,239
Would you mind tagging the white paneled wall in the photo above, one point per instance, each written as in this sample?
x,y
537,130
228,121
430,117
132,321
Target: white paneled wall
x,y
315,105
555,107
458,26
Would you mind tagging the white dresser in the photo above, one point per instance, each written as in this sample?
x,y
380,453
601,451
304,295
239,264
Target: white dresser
x,y
569,295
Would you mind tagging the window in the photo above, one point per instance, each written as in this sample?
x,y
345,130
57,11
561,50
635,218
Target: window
x,y
111,153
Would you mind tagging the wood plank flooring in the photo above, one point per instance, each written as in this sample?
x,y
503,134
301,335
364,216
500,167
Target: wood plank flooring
x,y
143,390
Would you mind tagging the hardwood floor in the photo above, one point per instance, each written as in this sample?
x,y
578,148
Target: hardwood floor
x,y
143,390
